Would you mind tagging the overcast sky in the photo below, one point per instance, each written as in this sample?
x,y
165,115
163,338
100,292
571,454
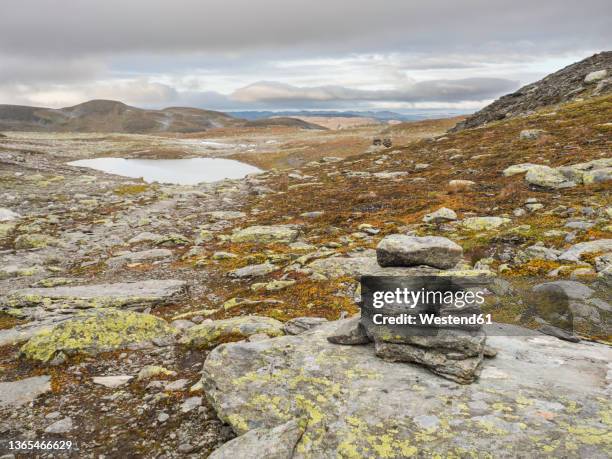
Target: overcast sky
x,y
290,54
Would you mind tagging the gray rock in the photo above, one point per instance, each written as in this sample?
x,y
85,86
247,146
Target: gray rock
x,y
60,427
531,134
463,371
178,385
348,400
191,404
349,332
7,215
276,443
266,234
139,257
253,270
225,214
440,216
124,294
542,253
547,177
145,236
559,333
112,381
594,77
517,169
17,393
434,251
302,324
577,250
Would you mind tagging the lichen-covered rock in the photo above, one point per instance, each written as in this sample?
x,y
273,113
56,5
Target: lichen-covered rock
x,y
547,177
266,234
354,404
441,215
484,223
35,241
402,250
517,169
94,332
119,295
6,229
210,334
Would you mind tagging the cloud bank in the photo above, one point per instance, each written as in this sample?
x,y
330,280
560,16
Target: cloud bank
x,y
234,54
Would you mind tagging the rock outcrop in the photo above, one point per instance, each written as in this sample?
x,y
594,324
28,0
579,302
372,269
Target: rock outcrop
x,y
353,404
576,80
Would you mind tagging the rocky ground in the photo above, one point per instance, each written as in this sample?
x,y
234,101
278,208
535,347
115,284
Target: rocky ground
x,y
118,297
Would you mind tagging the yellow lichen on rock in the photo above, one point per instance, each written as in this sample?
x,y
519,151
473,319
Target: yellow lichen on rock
x,y
91,333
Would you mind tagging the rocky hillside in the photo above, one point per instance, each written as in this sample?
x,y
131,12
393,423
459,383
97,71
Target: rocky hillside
x,y
589,77
111,116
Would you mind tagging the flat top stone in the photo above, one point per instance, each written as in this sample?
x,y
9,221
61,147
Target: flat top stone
x,y
403,250
17,393
354,404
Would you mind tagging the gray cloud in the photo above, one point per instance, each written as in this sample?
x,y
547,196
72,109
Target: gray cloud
x,y
434,91
75,27
305,54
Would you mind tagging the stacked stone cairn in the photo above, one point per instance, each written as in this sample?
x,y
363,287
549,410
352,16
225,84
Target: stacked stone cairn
x,y
454,352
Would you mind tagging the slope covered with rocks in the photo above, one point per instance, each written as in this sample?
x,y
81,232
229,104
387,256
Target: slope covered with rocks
x,y
589,77
122,301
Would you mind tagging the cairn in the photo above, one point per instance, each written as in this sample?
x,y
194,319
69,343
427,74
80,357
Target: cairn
x,y
454,352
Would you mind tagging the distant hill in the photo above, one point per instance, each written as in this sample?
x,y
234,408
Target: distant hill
x,y
562,86
111,116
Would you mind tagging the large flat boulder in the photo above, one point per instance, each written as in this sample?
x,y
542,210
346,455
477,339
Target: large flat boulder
x,y
540,396
119,295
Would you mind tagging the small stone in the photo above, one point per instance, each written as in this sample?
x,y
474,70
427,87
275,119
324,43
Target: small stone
x,y
154,370
531,134
112,381
163,417
190,404
441,215
60,427
302,324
